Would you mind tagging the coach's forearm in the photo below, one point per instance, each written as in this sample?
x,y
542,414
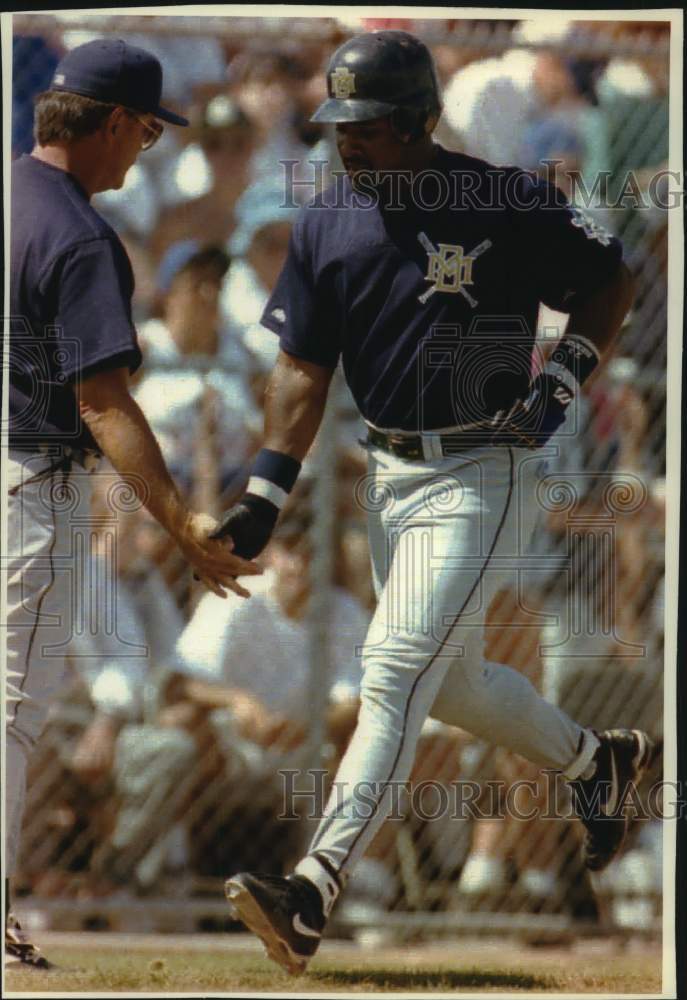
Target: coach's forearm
x,y
125,438
122,432
295,400
600,317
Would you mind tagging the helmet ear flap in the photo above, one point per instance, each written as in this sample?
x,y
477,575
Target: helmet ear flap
x,y
431,120
408,124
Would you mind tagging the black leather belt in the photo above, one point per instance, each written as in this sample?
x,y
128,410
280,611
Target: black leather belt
x,y
406,446
414,447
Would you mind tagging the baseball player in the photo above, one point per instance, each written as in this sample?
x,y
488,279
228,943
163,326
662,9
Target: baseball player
x,y
422,271
72,347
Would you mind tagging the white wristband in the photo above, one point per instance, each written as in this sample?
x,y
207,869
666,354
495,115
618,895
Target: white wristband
x,y
267,490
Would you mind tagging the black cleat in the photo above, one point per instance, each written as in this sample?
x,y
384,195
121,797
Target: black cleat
x,y
285,913
20,953
621,760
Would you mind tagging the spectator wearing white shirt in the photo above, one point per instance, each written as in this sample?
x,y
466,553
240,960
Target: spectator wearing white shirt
x,y
236,707
127,636
489,103
260,646
203,417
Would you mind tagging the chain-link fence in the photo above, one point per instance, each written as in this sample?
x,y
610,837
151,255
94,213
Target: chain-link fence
x,y
196,738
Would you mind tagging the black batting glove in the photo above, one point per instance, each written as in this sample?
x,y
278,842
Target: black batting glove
x,y
532,421
251,521
250,524
556,398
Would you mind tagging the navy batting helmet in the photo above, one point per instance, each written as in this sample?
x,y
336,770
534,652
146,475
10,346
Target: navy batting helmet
x,y
378,74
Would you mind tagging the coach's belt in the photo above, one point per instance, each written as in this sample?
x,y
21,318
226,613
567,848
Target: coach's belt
x,y
87,458
427,447
62,457
64,454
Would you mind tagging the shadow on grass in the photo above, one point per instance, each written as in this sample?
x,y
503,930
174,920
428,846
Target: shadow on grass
x,y
409,979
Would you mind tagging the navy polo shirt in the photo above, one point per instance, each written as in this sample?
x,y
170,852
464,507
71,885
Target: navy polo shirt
x,y
70,294
431,302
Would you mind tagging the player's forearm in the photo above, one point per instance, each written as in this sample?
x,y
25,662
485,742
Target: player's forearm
x,y
600,317
125,438
295,400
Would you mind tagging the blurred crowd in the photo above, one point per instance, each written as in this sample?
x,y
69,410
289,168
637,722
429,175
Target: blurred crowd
x,y
162,760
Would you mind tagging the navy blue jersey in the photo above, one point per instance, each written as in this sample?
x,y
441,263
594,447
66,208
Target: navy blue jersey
x,y
70,293
432,308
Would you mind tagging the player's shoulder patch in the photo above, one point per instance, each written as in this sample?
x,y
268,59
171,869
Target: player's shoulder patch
x,y
592,229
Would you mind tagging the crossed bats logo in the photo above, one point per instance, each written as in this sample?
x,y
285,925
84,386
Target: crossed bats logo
x,y
449,268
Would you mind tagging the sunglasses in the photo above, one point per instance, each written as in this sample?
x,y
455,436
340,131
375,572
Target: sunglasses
x,y
153,130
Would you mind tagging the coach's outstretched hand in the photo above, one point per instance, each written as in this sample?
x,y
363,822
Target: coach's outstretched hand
x,y
214,562
250,524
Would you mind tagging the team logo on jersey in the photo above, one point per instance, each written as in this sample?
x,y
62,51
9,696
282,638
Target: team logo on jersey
x,y
343,82
449,268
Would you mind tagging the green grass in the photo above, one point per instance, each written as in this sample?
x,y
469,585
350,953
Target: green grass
x,y
454,968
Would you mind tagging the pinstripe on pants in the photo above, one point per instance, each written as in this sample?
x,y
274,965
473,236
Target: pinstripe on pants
x,y
445,537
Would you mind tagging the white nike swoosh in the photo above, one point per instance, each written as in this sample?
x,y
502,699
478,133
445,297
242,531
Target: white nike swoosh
x,y
302,928
612,802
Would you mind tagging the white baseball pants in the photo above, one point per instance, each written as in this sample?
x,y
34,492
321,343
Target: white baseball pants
x,y
44,513
445,537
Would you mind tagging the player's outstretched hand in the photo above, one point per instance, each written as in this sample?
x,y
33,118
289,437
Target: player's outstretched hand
x,y
214,561
532,421
250,524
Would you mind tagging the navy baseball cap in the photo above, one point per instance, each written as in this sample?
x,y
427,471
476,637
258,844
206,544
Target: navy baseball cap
x,y
179,255
114,72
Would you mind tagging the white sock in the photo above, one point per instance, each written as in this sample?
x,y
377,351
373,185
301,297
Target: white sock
x,y
316,873
583,765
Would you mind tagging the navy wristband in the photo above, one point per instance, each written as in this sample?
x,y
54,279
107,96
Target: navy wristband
x,y
273,476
